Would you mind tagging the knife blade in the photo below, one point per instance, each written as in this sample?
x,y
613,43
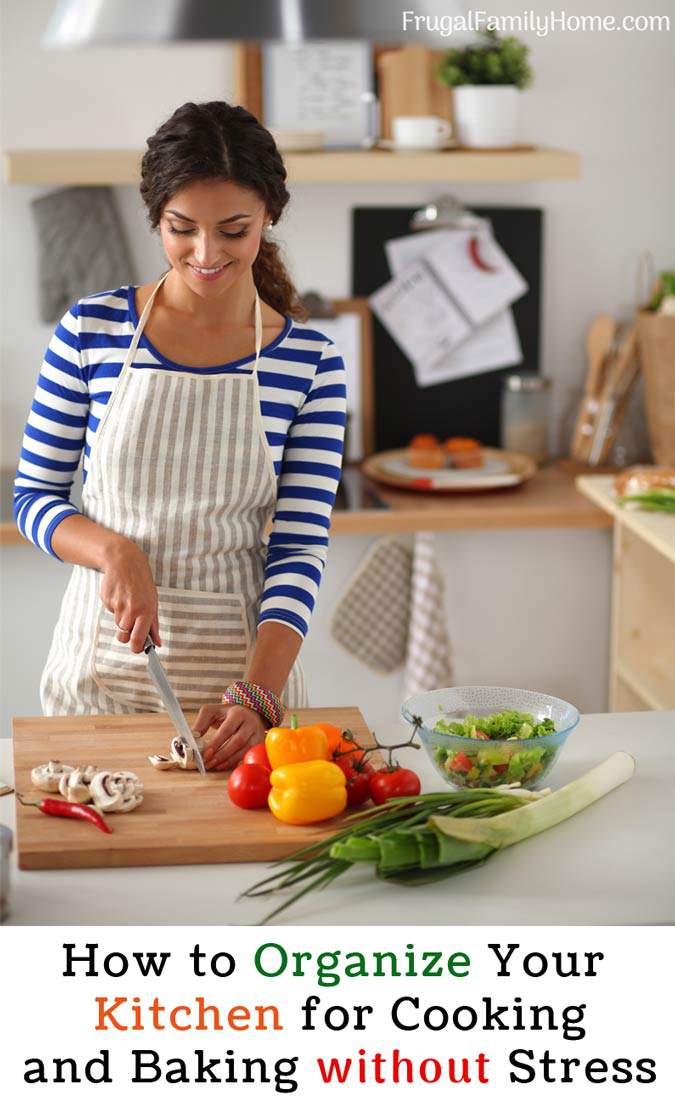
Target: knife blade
x,y
170,703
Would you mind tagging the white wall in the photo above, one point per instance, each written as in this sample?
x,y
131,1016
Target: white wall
x,y
608,96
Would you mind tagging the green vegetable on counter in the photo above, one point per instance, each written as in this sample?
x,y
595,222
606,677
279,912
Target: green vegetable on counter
x,y
413,841
660,499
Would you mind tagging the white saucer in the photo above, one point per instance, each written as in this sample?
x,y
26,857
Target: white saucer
x,y
390,144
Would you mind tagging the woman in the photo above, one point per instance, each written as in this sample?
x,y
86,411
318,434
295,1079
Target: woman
x,y
192,443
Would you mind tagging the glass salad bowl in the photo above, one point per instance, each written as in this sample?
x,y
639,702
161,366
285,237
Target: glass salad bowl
x,y
522,735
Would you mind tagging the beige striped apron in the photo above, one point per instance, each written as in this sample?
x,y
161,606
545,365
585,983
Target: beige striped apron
x,y
180,465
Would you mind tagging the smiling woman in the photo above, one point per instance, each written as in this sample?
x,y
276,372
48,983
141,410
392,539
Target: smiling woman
x,y
192,444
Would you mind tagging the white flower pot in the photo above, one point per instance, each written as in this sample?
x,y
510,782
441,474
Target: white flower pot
x,y
486,114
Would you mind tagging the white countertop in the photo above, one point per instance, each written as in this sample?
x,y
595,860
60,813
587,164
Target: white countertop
x,y
611,864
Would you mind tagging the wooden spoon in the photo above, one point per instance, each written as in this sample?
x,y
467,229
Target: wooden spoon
x,y
599,338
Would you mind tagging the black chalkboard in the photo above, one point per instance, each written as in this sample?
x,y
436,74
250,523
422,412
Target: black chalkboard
x,y
469,406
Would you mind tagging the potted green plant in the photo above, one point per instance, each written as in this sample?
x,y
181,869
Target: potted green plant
x,y
486,78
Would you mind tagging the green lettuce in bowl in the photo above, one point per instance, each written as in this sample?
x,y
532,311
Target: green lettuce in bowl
x,y
491,736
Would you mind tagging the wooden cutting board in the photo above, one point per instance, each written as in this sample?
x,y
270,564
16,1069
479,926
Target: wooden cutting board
x,y
184,818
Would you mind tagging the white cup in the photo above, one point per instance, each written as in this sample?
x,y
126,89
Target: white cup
x,y
420,131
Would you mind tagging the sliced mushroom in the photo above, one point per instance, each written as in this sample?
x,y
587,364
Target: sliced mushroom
x,y
116,791
48,775
75,786
161,762
182,753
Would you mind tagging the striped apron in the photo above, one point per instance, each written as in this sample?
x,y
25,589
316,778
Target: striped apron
x,y
180,465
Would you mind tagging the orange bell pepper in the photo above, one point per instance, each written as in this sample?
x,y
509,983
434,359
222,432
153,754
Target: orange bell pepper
x,y
296,745
340,742
304,793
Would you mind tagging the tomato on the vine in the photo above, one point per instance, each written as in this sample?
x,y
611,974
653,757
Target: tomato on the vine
x,y
358,773
249,786
393,782
340,741
358,789
258,755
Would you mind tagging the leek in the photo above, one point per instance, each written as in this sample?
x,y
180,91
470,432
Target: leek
x,y
659,499
413,841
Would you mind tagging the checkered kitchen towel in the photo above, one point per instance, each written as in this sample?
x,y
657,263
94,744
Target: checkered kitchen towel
x,y
392,613
371,618
427,664
82,247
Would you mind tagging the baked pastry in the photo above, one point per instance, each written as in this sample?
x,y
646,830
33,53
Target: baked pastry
x,y
425,451
464,452
645,478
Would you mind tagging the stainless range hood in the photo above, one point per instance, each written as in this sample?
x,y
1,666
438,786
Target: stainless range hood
x,y
107,22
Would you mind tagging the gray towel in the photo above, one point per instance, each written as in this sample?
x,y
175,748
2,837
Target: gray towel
x,y
81,247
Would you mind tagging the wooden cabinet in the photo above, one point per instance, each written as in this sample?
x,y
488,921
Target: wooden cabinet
x,y
642,653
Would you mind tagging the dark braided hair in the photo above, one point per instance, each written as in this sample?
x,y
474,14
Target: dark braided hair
x,y
219,141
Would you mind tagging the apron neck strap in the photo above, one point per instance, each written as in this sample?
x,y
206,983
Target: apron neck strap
x,y
258,330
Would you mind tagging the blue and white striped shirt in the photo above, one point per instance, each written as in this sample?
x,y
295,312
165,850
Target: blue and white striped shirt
x,y
302,397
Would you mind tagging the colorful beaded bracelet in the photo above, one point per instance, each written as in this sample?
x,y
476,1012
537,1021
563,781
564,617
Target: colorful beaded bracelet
x,y
258,698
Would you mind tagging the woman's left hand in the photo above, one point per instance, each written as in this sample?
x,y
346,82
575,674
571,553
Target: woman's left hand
x,y
238,728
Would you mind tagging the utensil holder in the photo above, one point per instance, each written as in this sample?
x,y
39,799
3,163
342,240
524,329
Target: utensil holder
x,y
656,339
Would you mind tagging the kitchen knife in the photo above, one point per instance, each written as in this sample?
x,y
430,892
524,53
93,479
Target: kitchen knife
x,y
170,702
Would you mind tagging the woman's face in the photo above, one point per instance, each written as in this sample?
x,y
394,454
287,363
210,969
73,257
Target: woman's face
x,y
211,234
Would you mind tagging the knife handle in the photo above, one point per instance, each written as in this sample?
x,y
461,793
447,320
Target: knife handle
x,y
148,644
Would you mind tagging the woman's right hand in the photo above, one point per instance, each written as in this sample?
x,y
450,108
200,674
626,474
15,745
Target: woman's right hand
x,y
128,591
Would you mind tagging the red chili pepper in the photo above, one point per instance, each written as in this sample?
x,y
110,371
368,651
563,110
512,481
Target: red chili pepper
x,y
51,806
476,257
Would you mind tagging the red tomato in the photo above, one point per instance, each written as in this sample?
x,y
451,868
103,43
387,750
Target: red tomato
x,y
358,788
258,755
339,741
249,786
461,763
399,782
353,764
358,775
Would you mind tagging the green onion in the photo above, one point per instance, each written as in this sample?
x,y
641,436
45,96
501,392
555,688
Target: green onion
x,y
660,499
413,841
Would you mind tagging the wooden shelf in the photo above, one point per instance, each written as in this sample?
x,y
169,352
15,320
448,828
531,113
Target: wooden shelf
x,y
642,651
87,167
548,501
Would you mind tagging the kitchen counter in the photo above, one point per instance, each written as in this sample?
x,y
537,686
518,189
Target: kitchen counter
x,y
548,501
611,864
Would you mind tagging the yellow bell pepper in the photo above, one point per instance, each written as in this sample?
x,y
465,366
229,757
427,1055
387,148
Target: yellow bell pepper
x,y
303,793
296,745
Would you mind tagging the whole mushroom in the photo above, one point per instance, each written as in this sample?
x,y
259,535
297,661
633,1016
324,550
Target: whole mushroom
x,y
48,775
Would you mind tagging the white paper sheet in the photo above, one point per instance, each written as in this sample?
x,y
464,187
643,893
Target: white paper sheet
x,y
479,293
420,317
493,345
401,252
494,342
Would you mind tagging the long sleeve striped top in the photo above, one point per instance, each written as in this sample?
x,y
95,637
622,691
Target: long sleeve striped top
x,y
301,379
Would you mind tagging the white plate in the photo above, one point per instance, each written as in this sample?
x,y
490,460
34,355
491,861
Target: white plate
x,y
500,469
